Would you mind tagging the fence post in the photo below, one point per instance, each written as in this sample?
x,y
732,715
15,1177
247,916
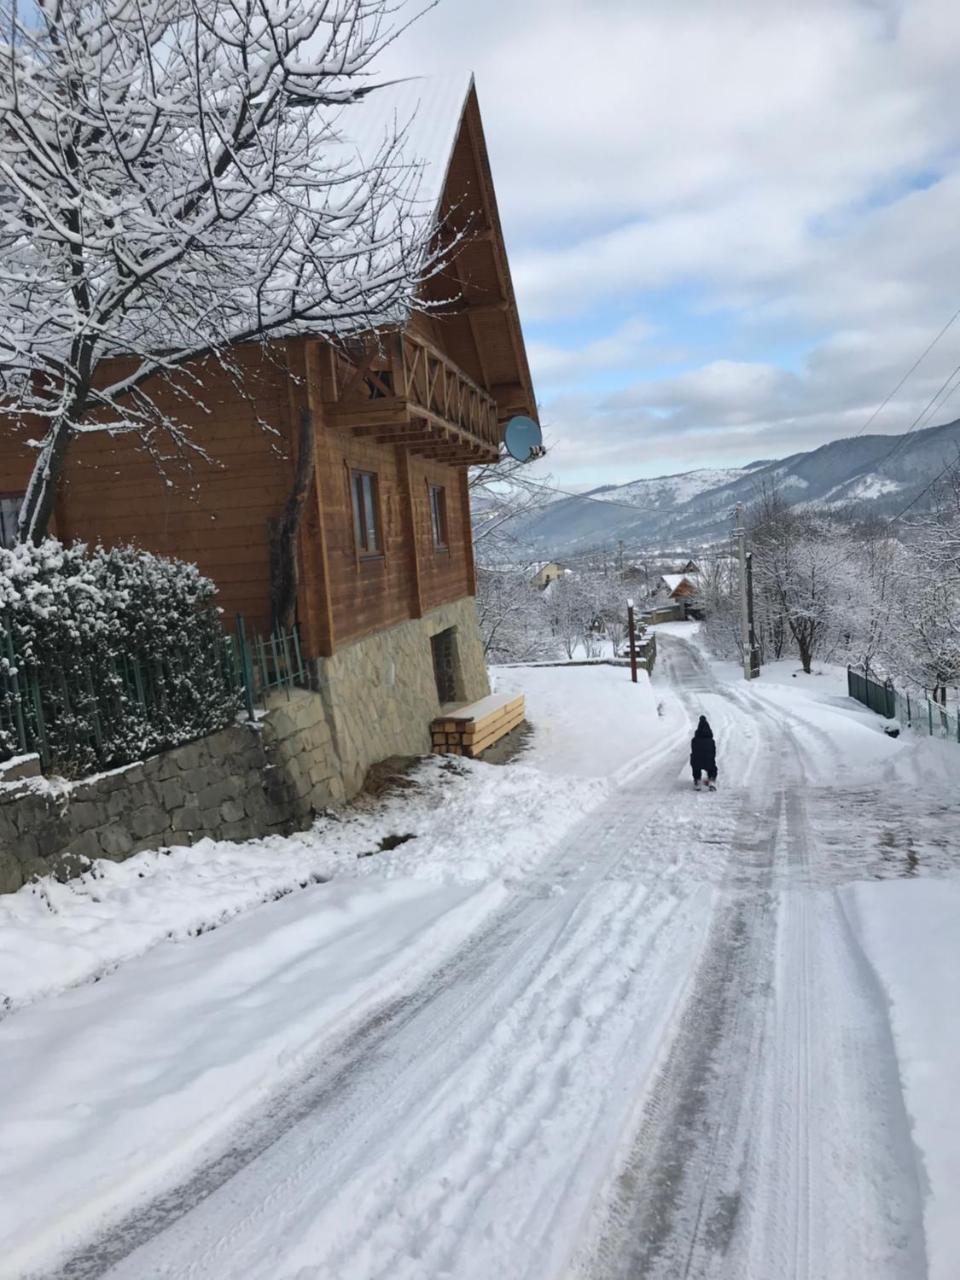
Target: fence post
x,y
245,667
633,641
15,689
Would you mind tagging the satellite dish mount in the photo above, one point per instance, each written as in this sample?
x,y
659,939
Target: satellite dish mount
x,y
523,439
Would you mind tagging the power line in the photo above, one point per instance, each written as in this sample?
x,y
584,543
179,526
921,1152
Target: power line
x,y
942,391
913,368
925,490
931,404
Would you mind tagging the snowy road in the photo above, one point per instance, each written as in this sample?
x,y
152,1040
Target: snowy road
x,y
665,1056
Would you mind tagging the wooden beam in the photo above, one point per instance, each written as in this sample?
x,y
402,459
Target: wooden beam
x,y
326,640
468,533
477,308
410,523
407,438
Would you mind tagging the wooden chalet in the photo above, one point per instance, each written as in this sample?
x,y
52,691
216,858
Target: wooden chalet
x,y
384,565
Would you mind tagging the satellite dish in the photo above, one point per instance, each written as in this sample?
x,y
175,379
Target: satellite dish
x,y
523,439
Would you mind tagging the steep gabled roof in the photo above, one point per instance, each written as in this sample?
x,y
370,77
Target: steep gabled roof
x,y
427,111
474,300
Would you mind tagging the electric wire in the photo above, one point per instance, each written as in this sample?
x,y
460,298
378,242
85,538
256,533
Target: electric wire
x,y
910,372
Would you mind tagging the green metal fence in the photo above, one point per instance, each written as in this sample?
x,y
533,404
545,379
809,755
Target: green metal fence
x,y
880,698
80,716
910,711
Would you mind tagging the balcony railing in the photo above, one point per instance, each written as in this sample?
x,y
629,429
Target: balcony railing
x,y
434,387
406,387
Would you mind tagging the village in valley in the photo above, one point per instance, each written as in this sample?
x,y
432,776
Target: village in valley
x,y
479,641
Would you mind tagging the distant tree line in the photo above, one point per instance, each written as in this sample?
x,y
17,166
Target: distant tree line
x,y
883,596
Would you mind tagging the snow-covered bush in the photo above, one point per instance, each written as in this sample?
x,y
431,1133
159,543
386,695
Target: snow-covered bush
x,y
111,654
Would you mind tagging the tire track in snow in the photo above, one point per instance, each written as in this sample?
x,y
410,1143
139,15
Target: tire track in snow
x,y
380,1114
760,1152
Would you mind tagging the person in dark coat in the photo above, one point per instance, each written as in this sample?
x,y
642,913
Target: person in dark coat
x,y
703,754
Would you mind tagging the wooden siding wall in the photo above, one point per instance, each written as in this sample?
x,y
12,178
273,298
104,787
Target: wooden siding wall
x,y
365,594
443,573
216,516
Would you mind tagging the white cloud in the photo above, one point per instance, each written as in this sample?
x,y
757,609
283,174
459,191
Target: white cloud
x,y
761,154
617,350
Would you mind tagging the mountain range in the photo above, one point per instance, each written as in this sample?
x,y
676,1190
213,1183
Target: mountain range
x,y
867,474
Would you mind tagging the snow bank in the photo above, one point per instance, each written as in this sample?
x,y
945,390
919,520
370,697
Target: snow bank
x,y
470,821
111,1090
909,932
588,722
106,1096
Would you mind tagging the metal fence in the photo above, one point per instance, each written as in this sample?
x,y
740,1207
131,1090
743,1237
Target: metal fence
x,y
911,711
79,715
880,698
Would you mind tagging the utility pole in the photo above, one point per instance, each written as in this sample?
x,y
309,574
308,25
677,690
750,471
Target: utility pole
x,y
631,623
751,628
744,606
620,558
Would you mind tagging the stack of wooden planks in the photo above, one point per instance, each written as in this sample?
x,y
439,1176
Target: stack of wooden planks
x,y
470,730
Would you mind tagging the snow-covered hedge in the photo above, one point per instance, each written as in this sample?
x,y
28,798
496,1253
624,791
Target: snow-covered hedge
x,y
111,655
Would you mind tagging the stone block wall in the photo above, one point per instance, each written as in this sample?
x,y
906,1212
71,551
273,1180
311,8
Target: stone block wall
x,y
380,692
311,750
247,780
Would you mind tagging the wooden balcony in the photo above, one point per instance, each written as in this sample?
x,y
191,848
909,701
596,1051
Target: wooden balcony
x,y
404,391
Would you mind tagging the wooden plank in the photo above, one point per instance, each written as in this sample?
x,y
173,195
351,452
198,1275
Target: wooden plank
x,y
488,706
327,638
494,731
476,748
467,531
410,526
480,728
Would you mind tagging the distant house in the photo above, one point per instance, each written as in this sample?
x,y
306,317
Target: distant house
x,y
544,574
676,587
690,567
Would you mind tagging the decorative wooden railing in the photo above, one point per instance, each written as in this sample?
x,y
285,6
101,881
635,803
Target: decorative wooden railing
x,y
435,387
406,383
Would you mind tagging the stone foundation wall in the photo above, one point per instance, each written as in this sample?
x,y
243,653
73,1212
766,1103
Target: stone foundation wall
x,y
311,750
247,780
381,693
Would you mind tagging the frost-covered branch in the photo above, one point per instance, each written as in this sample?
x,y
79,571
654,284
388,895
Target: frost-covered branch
x,y
176,178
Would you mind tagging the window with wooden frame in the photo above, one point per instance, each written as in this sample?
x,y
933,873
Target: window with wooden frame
x,y
9,510
366,513
438,515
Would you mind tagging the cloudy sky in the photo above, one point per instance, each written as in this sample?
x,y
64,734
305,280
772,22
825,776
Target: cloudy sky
x,y
733,224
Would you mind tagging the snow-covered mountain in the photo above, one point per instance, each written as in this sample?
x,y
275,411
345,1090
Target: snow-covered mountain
x,y
665,492
867,474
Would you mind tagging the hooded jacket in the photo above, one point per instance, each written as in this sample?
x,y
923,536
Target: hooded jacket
x,y
703,749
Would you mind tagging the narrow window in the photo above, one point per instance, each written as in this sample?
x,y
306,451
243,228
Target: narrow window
x,y
438,514
366,513
9,510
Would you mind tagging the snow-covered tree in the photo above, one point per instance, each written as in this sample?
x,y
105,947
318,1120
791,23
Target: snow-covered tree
x,y
175,180
512,615
501,494
929,633
571,610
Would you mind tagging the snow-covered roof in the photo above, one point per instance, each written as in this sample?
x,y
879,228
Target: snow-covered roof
x,y
427,111
674,580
